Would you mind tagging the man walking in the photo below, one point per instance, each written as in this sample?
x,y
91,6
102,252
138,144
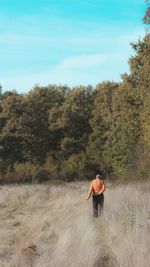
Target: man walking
x,y
97,188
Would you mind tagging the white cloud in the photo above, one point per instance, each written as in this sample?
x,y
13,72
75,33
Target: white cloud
x,y
82,61
82,69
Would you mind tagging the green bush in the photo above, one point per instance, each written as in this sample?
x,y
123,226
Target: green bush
x,y
30,170
78,166
50,166
25,173
5,167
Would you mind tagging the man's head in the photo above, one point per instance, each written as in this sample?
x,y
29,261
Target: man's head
x,y
98,176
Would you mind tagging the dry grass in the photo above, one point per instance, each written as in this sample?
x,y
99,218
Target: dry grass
x,y
52,226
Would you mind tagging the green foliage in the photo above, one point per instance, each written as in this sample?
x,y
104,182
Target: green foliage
x,y
4,166
117,154
146,18
50,165
30,170
77,166
69,123
25,173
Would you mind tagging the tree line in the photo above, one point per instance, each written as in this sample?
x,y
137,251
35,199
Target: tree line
x,y
73,133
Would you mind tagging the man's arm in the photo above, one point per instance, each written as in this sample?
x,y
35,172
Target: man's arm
x,y
103,188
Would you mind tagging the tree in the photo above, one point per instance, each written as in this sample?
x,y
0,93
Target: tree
x,y
146,18
72,121
39,138
11,141
136,99
25,134
102,123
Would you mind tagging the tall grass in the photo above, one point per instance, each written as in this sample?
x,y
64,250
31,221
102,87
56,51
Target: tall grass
x,y
52,226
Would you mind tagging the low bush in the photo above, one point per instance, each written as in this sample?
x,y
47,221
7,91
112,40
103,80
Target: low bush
x,y
25,173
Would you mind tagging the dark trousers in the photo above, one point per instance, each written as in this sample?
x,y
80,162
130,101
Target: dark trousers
x,y
98,204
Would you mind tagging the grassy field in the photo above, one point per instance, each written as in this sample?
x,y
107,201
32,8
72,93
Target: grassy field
x,y
52,226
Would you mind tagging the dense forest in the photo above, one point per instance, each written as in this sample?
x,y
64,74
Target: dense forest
x,y
72,133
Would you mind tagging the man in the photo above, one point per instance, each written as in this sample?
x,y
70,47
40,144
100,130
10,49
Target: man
x,y
97,188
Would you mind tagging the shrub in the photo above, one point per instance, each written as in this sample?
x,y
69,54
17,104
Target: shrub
x,y
25,173
78,166
5,167
30,170
50,166
14,177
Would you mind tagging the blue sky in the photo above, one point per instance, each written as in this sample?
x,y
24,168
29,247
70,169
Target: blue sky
x,y
70,42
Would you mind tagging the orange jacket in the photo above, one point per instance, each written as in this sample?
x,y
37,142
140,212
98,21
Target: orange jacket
x,y
97,187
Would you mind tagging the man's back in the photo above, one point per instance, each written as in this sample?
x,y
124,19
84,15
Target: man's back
x,y
97,186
